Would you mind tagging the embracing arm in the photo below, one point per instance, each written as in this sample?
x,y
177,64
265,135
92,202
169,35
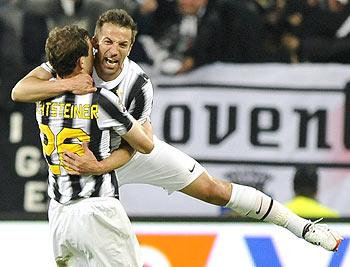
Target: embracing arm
x,y
139,137
36,86
88,164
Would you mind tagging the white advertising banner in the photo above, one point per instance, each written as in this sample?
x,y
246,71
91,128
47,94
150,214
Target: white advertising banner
x,y
188,245
260,122
253,124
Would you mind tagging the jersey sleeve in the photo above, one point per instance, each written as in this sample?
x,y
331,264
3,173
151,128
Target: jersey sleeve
x,y
47,66
112,113
140,106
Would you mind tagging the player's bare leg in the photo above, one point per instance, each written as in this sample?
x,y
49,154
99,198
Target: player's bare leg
x,y
248,201
209,189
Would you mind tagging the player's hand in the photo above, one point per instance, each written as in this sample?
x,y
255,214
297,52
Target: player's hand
x,y
87,164
80,84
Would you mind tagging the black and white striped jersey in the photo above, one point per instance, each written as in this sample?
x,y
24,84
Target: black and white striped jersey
x,y
135,90
68,120
133,87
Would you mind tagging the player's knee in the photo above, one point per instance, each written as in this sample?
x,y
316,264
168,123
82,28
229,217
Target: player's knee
x,y
209,189
217,192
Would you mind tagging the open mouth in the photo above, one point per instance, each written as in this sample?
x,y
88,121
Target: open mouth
x,y
111,61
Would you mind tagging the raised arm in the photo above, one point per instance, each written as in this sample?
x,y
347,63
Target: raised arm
x,y
36,86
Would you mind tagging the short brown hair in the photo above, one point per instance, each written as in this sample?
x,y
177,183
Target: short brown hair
x,y
117,17
64,46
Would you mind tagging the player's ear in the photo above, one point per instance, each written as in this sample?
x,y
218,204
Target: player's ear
x,y
80,63
94,42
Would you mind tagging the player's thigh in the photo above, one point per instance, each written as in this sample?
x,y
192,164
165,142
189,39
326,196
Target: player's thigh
x,y
97,231
115,243
166,167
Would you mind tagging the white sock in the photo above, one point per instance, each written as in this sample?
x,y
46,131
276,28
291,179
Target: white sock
x,y
248,201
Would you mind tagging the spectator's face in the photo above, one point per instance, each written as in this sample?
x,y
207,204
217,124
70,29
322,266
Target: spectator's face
x,y
191,7
336,5
113,44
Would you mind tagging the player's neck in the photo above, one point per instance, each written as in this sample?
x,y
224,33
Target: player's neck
x,y
74,73
106,76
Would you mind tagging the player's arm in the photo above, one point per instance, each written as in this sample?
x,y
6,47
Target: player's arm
x,y
88,164
138,139
124,153
135,136
36,86
117,159
142,113
147,128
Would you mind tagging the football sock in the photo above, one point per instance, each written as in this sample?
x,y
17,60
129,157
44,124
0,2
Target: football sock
x,y
248,201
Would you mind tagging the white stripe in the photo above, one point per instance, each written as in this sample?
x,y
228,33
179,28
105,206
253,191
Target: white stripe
x,y
344,29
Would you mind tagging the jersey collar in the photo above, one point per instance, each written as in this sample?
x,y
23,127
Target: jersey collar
x,y
109,85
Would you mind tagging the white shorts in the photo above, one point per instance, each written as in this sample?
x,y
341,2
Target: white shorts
x,y
165,166
93,232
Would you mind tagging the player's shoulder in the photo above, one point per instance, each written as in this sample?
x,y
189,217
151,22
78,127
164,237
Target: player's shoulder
x,y
105,93
135,68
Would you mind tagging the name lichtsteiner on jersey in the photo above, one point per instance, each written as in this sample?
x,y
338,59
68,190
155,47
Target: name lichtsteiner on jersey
x,y
67,110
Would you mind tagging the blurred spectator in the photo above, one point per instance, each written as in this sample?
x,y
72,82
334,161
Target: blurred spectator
x,y
272,14
244,31
34,36
305,204
10,53
141,10
312,31
172,27
184,34
37,22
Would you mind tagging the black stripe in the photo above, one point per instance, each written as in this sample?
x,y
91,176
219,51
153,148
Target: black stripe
x,y
98,183
114,181
76,186
69,98
268,211
306,229
45,119
114,112
68,123
137,94
56,191
115,90
140,101
48,160
112,136
274,163
94,146
95,132
201,86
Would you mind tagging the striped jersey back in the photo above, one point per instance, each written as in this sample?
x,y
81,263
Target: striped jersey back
x,y
132,86
68,120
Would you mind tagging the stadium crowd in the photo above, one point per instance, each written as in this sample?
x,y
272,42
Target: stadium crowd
x,y
176,36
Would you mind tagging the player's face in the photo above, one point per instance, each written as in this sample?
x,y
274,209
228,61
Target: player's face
x,y
88,61
113,44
